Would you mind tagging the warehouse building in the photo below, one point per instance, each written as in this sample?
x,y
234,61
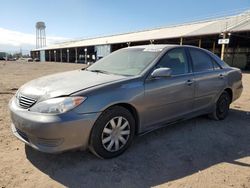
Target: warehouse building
x,y
228,37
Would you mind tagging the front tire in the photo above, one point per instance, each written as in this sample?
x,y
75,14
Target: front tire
x,y
222,107
112,133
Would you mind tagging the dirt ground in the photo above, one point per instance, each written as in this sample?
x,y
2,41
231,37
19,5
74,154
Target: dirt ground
x,y
197,153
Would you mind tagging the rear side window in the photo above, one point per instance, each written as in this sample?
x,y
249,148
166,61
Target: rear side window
x,y
201,60
219,61
216,66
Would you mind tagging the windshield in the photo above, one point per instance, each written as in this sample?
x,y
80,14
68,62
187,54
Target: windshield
x,y
129,62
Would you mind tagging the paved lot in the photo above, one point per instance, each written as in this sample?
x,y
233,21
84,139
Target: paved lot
x,y
196,153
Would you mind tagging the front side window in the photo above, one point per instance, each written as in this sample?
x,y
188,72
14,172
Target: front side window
x,y
176,60
201,61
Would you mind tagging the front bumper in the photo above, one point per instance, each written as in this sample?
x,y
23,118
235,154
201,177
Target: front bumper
x,y
52,133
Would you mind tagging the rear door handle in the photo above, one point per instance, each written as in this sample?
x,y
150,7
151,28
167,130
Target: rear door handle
x,y
189,82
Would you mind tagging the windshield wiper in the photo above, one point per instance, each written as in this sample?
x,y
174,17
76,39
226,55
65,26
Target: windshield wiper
x,y
99,71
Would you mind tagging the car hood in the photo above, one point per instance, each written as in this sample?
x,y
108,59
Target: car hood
x,y
65,83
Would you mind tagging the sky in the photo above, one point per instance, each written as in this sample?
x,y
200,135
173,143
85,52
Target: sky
x,y
78,19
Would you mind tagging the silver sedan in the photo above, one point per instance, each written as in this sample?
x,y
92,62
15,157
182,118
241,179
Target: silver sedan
x,y
132,91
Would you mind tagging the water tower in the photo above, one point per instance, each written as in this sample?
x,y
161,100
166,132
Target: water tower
x,y
40,35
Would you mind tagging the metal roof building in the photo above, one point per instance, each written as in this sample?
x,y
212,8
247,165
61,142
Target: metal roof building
x,y
203,34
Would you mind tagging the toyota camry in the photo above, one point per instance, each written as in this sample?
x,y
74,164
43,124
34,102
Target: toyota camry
x,y
129,92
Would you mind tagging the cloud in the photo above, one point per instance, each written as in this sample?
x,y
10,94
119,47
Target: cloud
x,y
13,40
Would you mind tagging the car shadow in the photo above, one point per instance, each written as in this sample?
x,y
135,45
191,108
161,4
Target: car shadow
x,y
167,154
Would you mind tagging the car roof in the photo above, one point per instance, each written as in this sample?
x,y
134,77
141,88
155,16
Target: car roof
x,y
154,46
160,47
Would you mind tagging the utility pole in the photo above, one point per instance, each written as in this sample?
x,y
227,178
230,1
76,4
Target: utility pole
x,y
223,47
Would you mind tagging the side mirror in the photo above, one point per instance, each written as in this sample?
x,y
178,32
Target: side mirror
x,y
161,72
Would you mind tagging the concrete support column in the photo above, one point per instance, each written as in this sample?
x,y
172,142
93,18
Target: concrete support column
x,y
151,41
213,46
49,56
85,54
61,55
55,55
76,55
199,43
181,41
68,55
223,47
128,43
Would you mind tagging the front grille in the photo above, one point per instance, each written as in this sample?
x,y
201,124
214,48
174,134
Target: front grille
x,y
22,134
25,102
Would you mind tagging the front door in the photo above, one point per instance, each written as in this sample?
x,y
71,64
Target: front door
x,y
168,98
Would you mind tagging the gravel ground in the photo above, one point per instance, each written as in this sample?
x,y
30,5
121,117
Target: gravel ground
x,y
195,153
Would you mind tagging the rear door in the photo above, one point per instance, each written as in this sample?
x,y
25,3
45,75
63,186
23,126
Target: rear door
x,y
167,98
208,76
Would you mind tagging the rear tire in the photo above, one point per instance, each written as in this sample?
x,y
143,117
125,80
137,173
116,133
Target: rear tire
x,y
222,107
112,133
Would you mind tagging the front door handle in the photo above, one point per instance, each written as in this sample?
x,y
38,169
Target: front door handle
x,y
221,76
189,82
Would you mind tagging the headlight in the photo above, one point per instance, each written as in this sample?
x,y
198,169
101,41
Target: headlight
x,y
57,105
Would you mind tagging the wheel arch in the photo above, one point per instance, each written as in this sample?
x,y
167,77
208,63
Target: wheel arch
x,y
230,92
132,110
